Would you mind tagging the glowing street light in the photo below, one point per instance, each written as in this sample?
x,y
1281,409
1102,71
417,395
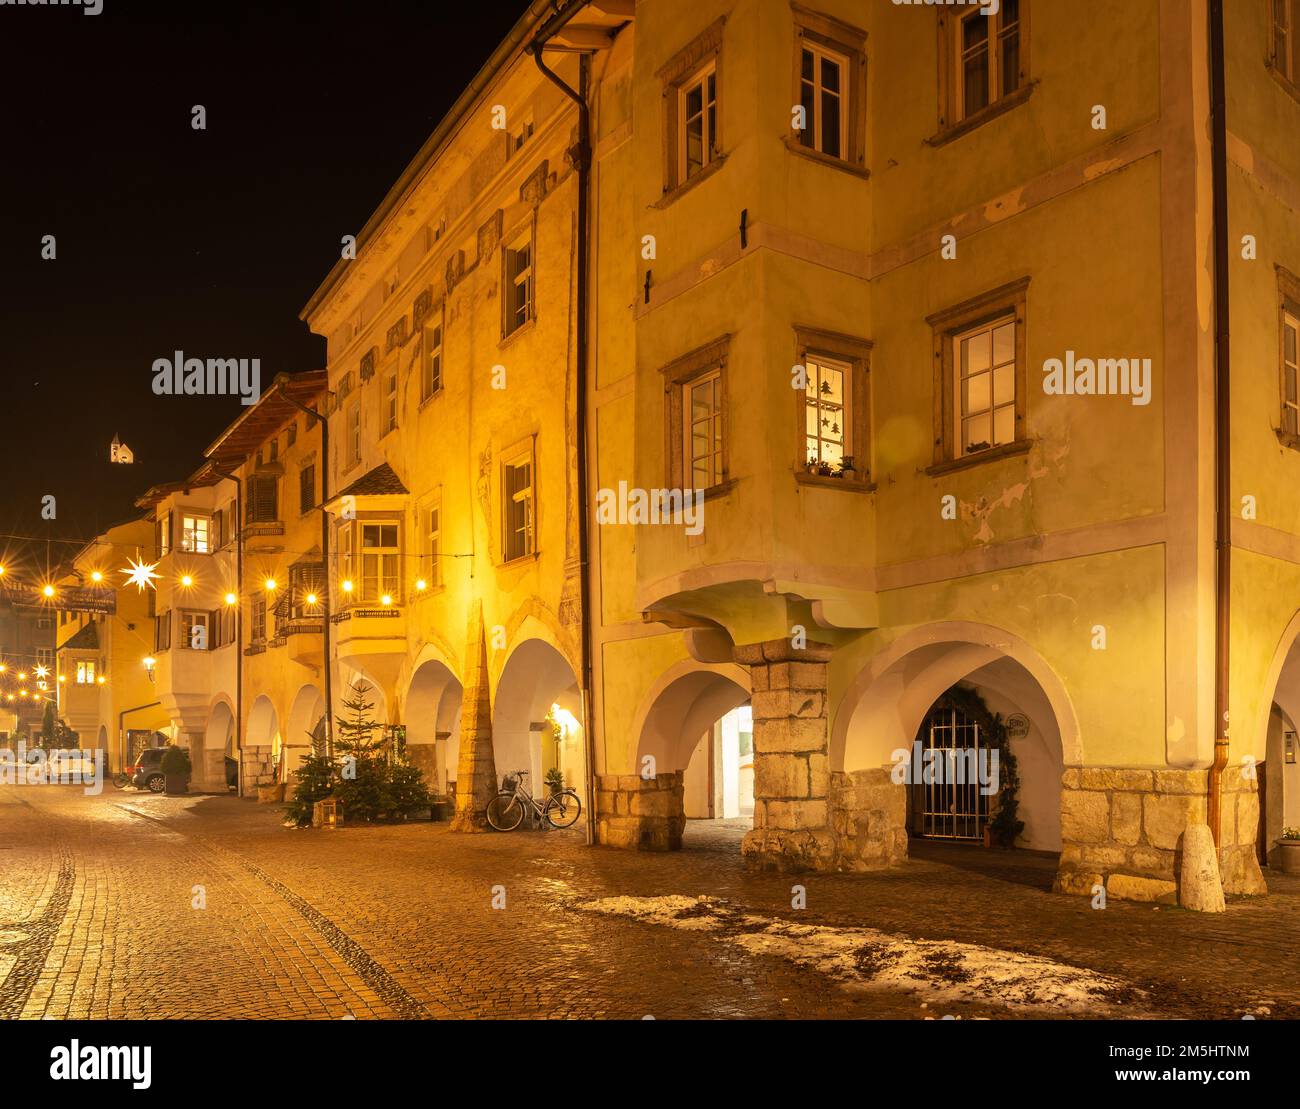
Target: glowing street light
x,y
231,599
270,585
48,591
347,585
186,580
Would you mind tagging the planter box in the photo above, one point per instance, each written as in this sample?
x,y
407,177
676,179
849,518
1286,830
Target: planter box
x,y
1290,849
270,795
177,784
442,810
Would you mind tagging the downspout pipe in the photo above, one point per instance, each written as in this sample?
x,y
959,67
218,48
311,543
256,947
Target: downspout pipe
x,y
582,160
1223,421
279,384
239,622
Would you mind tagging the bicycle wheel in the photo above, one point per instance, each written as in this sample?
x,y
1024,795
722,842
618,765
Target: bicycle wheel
x,y
505,812
562,809
121,781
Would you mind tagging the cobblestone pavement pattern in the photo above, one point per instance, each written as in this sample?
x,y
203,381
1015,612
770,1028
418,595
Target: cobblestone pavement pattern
x,y
98,919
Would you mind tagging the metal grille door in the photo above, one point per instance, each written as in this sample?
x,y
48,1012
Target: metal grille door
x,y
950,809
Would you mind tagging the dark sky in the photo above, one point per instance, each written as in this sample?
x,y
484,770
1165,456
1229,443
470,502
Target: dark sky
x,y
170,238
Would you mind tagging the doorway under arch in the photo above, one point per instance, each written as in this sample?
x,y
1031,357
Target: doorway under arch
x,y
432,715
537,717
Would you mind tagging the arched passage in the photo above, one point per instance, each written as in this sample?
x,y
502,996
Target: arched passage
x,y
432,715
210,762
305,713
888,709
1276,743
536,716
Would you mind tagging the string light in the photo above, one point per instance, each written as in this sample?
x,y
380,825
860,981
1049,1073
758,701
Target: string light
x,y
311,598
386,599
270,585
421,585
186,580
231,599
101,679
96,576
347,585
48,591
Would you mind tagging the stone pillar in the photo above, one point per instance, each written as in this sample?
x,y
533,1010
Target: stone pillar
x,y
792,824
645,814
1123,827
476,778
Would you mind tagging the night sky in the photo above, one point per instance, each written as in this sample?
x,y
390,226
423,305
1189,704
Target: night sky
x,y
169,238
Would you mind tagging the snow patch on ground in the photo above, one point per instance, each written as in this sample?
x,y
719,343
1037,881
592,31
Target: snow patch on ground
x,y
936,970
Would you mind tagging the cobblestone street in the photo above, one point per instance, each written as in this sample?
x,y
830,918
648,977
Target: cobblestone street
x,y
98,919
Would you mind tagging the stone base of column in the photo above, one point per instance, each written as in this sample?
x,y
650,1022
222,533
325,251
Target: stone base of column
x,y
476,777
1122,828
258,771
869,815
640,814
789,850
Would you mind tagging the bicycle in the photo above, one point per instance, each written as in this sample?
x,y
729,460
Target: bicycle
x,y
506,811
121,779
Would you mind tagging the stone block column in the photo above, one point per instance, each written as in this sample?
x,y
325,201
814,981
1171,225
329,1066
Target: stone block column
x,y
643,814
792,823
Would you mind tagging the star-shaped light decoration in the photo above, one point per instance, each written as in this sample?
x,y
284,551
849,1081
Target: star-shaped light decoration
x,y
42,671
140,574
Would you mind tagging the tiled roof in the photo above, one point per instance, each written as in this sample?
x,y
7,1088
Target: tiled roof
x,y
85,640
378,482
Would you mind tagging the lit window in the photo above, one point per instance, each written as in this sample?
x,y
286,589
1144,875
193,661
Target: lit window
x,y
519,283
703,430
822,94
380,561
985,380
85,672
698,112
519,540
828,416
196,534
988,57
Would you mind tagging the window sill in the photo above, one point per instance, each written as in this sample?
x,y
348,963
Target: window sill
x,y
953,131
522,329
520,562
1288,86
1006,450
854,485
430,398
1287,438
672,194
722,489
796,147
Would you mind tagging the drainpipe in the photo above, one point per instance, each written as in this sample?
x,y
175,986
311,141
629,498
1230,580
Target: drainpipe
x,y
281,381
239,625
121,727
583,165
1223,424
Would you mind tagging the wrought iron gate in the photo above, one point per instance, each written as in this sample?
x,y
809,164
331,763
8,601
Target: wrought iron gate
x,y
944,808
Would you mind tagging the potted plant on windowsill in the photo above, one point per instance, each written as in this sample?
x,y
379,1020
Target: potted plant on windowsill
x,y
847,470
1289,845
175,765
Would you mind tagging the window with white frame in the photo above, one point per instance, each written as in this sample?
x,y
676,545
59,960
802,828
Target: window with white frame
x,y
257,618
1290,372
86,671
381,560
703,430
195,630
433,544
353,441
984,359
196,533
390,400
431,375
518,282
163,534
698,121
988,56
823,95
827,413
518,534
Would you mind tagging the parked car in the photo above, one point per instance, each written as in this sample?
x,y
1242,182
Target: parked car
x,y
146,772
